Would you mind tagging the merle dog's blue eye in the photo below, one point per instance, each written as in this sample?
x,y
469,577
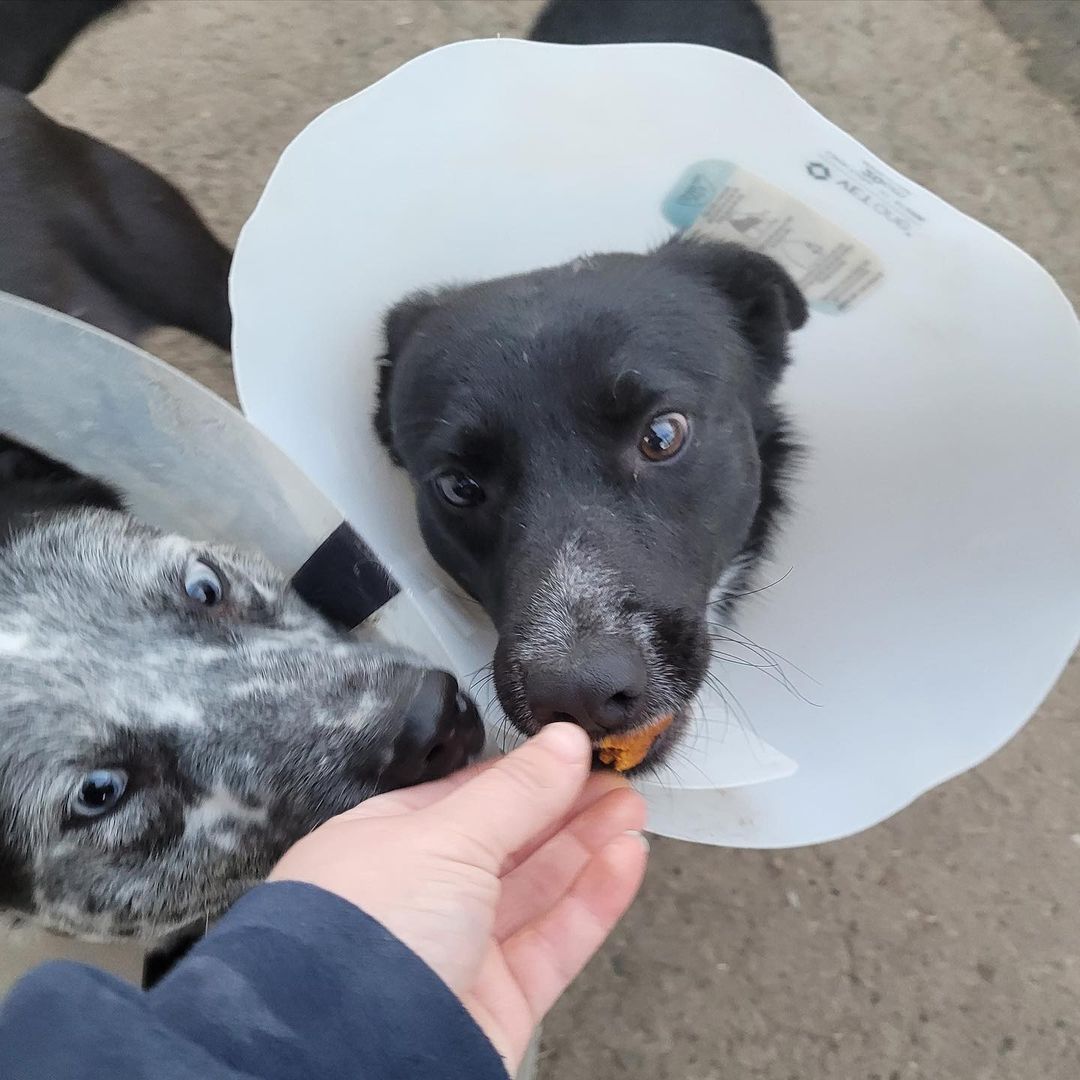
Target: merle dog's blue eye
x,y
204,583
458,489
664,437
99,792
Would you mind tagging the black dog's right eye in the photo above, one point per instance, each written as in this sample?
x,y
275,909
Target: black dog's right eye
x,y
205,584
665,437
458,489
99,792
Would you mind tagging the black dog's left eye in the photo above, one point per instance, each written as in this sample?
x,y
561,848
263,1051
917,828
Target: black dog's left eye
x,y
205,584
665,436
458,489
99,792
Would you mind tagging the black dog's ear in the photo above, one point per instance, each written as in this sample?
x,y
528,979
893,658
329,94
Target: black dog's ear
x,y
398,326
403,318
768,302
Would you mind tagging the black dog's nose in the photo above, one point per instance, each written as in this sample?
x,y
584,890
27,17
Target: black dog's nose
x,y
600,689
441,731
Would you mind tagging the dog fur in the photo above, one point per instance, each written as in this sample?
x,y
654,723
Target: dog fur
x,y
87,229
601,569
739,26
35,33
239,726
93,233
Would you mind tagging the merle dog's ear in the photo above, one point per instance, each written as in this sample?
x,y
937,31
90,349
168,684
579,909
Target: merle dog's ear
x,y
399,325
768,302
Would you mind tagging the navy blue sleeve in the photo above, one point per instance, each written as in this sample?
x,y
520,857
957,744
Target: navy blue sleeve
x,y
294,983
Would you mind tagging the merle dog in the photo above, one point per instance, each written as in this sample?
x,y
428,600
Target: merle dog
x,y
175,715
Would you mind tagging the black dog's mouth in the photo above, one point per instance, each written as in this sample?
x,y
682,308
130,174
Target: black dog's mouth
x,y
639,751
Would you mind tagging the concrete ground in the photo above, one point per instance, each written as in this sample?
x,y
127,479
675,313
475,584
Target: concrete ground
x,y
944,944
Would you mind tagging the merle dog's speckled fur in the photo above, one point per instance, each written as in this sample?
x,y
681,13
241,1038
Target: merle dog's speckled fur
x,y
240,727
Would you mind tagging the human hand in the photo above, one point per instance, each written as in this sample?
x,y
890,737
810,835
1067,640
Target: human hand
x,y
504,878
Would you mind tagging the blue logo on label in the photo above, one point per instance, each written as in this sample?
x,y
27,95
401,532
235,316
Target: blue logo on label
x,y
695,189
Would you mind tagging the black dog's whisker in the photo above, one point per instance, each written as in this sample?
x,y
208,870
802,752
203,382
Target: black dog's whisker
x,y
738,661
767,656
482,677
482,684
731,702
729,597
773,665
507,736
505,733
771,670
682,751
768,667
778,658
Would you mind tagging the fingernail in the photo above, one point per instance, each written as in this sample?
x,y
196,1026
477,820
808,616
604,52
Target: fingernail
x,y
567,741
640,836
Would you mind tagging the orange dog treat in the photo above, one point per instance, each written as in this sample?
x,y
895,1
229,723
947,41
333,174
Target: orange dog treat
x,y
623,752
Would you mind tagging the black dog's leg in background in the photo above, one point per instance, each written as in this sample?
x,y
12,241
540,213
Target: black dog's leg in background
x,y
94,233
164,261
87,229
34,34
739,26
160,961
32,484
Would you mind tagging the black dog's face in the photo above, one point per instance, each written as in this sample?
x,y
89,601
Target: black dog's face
x,y
594,453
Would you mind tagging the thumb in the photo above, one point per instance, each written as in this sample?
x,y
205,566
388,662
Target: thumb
x,y
523,795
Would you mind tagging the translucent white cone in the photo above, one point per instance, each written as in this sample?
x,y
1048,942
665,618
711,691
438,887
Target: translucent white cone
x,y
927,586
185,460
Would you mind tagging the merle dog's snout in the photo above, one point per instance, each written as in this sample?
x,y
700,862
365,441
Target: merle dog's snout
x,y
602,690
441,731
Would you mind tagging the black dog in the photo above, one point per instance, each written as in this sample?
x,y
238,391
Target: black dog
x,y
595,450
88,230
35,33
739,26
597,459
